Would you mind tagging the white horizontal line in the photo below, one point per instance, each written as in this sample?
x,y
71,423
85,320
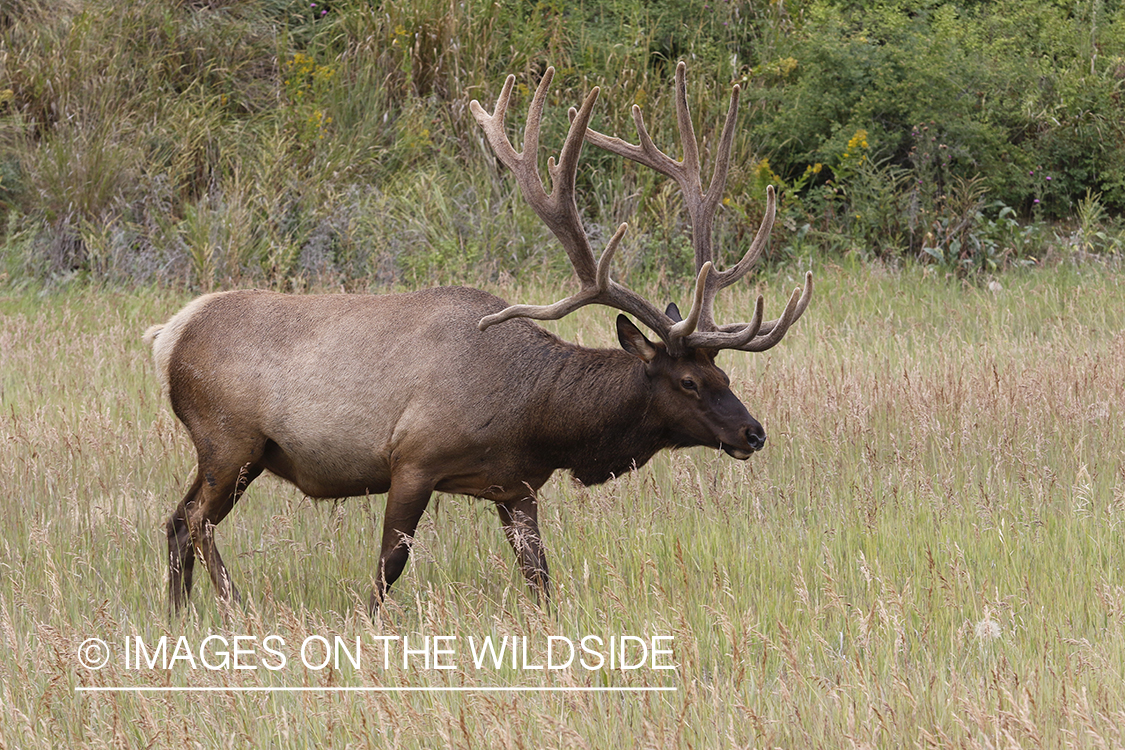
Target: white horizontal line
x,y
369,689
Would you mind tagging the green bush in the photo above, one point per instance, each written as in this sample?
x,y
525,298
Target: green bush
x,y
272,141
1007,88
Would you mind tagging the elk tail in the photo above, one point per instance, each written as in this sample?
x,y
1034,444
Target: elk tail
x,y
151,334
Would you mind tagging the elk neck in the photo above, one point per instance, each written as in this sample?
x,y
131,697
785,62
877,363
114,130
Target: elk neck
x,y
595,412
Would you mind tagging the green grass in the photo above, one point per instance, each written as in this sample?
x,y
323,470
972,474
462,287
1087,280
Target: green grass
x,y
927,553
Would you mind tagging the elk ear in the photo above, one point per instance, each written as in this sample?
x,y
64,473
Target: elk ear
x,y
633,341
673,312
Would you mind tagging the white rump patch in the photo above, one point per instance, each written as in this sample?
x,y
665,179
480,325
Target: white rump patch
x,y
163,338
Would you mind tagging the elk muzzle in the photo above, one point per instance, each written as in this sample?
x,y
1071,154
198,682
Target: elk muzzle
x,y
753,439
738,433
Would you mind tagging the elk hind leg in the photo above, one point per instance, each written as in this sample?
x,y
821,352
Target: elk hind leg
x,y
521,526
219,490
181,554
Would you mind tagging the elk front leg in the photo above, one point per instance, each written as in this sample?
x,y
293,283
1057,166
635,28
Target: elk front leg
x,y
520,519
406,502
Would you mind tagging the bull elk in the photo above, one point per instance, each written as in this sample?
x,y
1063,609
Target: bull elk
x,y
453,390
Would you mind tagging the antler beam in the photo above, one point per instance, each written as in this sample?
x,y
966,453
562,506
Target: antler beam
x,y
559,212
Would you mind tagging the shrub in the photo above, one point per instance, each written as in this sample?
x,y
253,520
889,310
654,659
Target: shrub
x,y
207,141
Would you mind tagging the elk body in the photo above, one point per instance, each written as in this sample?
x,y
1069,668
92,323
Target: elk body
x,y
451,389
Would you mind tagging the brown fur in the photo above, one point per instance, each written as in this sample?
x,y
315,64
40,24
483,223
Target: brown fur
x,y
346,395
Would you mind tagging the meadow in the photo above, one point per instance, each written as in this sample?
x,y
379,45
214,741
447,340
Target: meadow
x,y
926,554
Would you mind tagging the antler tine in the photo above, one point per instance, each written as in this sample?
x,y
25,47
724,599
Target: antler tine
x,y
793,311
739,269
494,124
688,324
734,338
701,206
559,211
699,329
687,130
718,184
564,307
772,331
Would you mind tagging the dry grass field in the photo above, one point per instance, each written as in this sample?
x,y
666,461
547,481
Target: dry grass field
x,y
928,553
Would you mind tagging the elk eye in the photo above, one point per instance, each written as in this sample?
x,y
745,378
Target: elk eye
x,y
688,384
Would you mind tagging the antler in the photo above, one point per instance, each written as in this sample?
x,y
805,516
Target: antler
x,y
701,206
559,212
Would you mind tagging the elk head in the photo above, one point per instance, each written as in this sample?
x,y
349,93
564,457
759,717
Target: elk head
x,y
690,391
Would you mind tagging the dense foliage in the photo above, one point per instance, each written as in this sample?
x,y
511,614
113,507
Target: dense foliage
x,y
277,141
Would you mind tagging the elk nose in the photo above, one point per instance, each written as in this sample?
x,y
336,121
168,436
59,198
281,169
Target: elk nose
x,y
755,437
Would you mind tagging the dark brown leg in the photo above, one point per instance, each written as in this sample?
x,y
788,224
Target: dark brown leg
x,y
211,497
406,502
521,526
181,556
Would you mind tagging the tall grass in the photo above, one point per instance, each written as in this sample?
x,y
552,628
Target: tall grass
x,y
265,142
926,552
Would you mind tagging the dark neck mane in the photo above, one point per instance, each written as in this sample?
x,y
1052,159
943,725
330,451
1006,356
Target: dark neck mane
x,y
598,422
